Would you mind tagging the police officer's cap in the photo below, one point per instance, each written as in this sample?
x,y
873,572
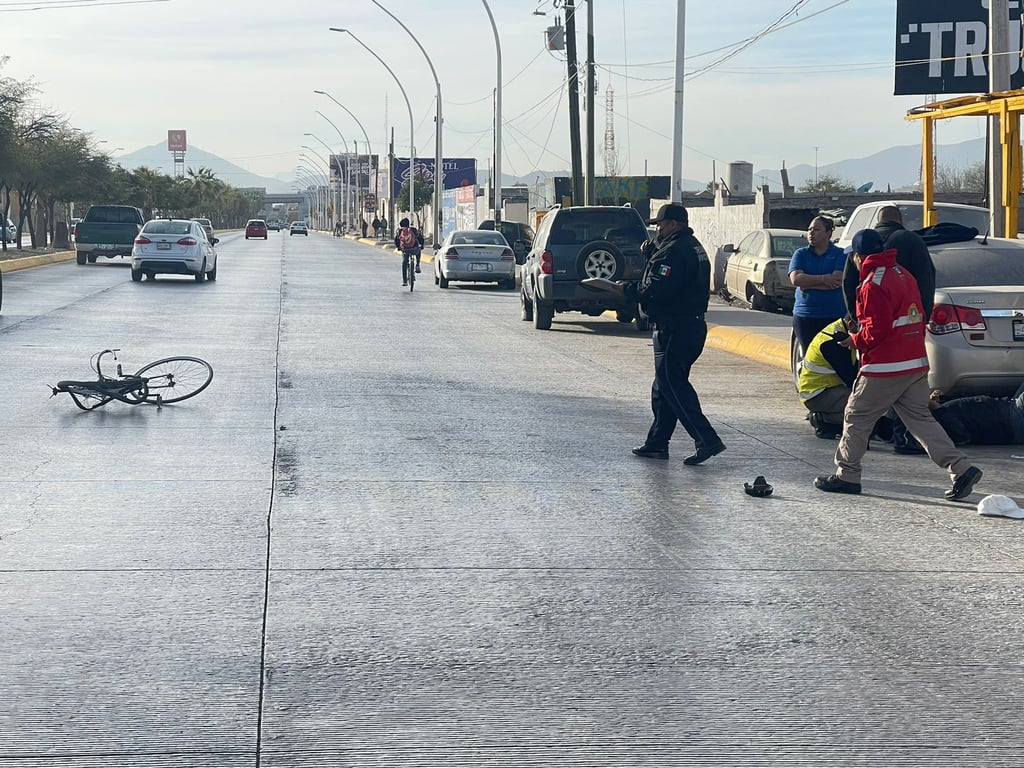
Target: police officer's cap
x,y
671,212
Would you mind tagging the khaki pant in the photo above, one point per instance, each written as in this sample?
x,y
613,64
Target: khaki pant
x,y
908,396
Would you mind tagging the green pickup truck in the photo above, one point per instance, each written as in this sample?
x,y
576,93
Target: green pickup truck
x,y
107,230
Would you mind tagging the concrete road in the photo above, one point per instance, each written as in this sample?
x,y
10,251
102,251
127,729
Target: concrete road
x,y
405,529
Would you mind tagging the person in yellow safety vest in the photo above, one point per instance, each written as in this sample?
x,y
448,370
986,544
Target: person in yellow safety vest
x,y
826,378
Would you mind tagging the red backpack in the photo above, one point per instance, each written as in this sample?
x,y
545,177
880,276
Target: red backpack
x,y
407,239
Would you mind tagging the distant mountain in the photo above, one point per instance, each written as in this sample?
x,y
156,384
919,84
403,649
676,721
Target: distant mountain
x,y
896,168
159,159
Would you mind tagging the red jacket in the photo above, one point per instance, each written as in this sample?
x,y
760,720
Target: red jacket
x,y
891,335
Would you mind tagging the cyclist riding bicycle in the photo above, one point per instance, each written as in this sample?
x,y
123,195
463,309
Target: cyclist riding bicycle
x,y
409,241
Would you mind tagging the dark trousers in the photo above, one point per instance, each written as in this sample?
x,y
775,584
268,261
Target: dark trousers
x,y
806,328
673,398
410,260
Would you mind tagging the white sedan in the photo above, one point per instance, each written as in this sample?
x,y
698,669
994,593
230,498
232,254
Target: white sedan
x,y
475,256
174,247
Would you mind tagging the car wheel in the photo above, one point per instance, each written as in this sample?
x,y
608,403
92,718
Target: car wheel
x,y
92,259
136,275
542,315
212,274
796,356
80,258
624,315
758,301
246,237
442,281
526,305
200,276
600,259
266,236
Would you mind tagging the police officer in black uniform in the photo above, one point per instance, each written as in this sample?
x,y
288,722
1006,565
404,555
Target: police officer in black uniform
x,y
673,292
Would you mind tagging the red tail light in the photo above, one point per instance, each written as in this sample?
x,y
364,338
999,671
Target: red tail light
x,y
142,240
451,253
507,255
949,318
188,241
547,263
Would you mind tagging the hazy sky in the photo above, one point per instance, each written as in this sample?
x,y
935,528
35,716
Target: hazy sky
x,y
239,76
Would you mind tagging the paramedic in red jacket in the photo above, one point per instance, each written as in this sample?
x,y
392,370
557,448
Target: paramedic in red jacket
x,y
893,371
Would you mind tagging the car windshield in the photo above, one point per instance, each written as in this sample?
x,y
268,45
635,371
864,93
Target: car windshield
x,y
969,217
784,245
478,237
974,264
585,226
167,228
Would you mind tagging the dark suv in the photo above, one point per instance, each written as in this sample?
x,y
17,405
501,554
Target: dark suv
x,y
576,243
518,235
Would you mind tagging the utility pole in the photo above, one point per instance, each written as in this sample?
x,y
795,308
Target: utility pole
x,y
589,195
999,81
391,183
574,102
677,133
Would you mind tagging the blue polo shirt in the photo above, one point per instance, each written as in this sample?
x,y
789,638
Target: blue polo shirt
x,y
828,304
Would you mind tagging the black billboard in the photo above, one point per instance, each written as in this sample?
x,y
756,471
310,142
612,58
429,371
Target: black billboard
x,y
942,46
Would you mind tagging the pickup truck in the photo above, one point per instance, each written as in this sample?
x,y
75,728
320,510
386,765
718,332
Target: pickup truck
x,y
107,230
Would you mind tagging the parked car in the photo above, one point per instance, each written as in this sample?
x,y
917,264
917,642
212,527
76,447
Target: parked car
x,y
975,336
865,216
757,270
518,235
475,256
581,242
9,232
256,228
207,227
298,228
174,247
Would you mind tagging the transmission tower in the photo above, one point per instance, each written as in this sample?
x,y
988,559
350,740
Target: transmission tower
x,y
611,155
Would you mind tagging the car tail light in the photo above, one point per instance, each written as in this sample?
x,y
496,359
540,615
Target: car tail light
x,y
547,263
142,240
507,255
949,318
451,253
188,241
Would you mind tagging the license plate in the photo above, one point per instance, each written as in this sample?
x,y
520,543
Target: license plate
x,y
480,267
163,246
1018,330
105,247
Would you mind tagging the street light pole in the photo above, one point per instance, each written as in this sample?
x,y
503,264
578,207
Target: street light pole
x,y
341,179
408,106
334,201
677,132
497,122
369,149
438,122
303,174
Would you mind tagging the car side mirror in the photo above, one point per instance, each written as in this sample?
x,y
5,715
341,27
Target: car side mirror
x,y
437,247
214,240
728,248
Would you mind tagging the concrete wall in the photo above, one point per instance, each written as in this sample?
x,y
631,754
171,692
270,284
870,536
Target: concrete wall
x,y
721,223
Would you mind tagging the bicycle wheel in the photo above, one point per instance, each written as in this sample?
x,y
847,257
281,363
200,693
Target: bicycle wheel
x,y
174,379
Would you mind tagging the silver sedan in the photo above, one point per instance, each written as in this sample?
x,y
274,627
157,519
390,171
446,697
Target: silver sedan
x,y
475,256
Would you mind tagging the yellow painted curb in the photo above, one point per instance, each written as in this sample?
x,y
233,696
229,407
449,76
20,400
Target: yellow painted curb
x,y
13,265
749,344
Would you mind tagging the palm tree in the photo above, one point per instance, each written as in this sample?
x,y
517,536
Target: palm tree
x,y
203,182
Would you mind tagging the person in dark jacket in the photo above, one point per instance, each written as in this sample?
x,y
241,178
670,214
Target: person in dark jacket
x,y
981,420
673,293
411,253
911,254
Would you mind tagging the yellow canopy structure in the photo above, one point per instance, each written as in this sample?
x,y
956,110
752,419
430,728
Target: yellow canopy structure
x,y
1008,105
